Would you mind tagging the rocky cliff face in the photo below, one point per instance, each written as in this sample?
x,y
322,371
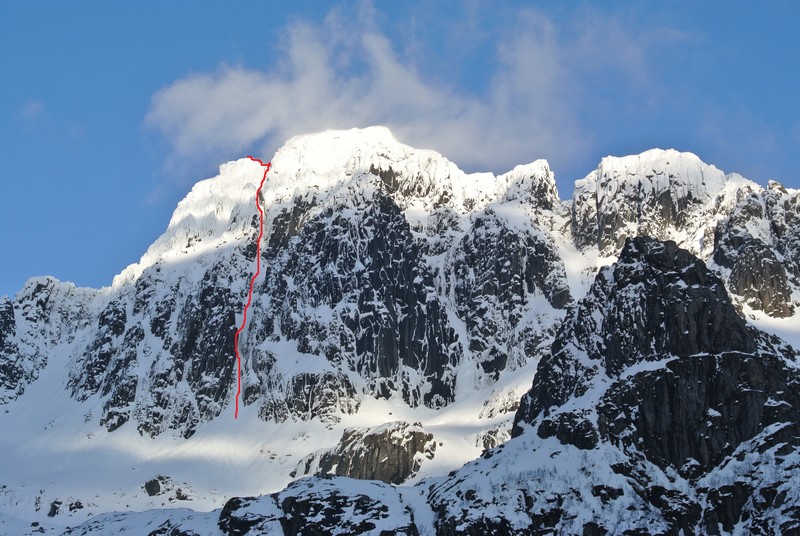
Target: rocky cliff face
x,y
44,313
759,244
657,301
657,410
391,453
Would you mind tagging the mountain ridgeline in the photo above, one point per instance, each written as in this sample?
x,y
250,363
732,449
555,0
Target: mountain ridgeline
x,y
655,405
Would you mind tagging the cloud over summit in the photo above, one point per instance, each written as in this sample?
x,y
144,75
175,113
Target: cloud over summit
x,y
346,72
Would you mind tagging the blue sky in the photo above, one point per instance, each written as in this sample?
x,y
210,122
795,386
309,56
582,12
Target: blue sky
x,y
110,111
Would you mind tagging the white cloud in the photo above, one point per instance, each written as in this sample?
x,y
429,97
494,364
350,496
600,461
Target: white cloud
x,y
336,75
31,111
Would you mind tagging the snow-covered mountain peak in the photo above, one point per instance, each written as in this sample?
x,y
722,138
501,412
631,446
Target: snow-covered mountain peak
x,y
323,160
335,164
662,193
332,152
220,210
653,172
334,169
531,182
328,161
41,290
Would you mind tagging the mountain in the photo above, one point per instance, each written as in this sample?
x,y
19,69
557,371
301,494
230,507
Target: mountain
x,y
749,232
657,409
405,308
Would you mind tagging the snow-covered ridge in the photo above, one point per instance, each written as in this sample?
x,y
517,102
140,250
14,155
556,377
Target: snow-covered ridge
x,y
216,211
322,162
652,172
330,166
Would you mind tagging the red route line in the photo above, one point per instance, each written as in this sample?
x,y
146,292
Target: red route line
x,y
266,167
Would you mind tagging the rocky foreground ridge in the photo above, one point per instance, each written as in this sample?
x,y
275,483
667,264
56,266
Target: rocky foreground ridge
x,y
391,275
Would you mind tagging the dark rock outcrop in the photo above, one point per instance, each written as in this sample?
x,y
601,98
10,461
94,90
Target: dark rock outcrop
x,y
693,413
656,302
759,244
391,453
669,374
55,508
153,486
308,395
7,322
11,373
